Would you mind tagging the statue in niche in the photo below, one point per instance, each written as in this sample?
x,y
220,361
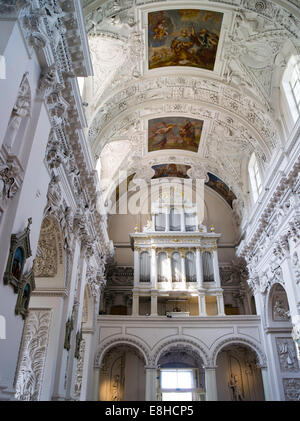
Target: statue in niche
x,y
115,388
280,311
235,389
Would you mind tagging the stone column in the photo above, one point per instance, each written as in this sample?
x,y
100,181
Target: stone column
x,y
216,268
153,222
182,221
201,303
220,305
135,304
153,268
266,382
153,304
136,276
150,389
96,384
211,383
199,269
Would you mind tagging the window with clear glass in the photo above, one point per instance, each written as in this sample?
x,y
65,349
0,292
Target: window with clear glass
x,y
254,176
291,86
177,384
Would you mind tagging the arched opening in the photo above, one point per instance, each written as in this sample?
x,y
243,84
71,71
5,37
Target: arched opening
x,y
180,376
238,376
122,374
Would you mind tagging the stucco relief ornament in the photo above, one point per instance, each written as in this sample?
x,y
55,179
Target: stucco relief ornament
x,y
22,105
47,80
264,283
8,184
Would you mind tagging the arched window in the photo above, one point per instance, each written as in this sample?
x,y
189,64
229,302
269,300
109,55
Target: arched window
x,y
176,267
144,267
162,267
190,267
254,177
208,269
291,86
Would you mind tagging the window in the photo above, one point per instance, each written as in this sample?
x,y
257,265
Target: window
x,y
177,384
254,176
144,267
291,86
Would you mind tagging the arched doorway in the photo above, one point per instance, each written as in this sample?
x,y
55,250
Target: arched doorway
x,y
238,375
180,376
122,374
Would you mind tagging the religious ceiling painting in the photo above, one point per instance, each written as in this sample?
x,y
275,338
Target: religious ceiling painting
x,y
220,187
174,133
184,37
171,170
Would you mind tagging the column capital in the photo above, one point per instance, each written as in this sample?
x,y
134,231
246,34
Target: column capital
x,y
210,367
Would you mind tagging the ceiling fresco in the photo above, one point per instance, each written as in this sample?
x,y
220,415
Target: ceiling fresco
x,y
171,170
221,188
174,133
184,37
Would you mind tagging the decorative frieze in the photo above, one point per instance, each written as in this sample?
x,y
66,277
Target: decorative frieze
x,y
291,388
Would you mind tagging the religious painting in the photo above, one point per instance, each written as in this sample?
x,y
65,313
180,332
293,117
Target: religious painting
x,y
220,187
171,170
19,251
174,133
17,263
26,287
183,37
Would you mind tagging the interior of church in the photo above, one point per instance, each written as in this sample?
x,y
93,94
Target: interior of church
x,y
149,200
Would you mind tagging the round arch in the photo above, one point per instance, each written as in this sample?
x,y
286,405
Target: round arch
x,y
107,345
262,361
196,347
